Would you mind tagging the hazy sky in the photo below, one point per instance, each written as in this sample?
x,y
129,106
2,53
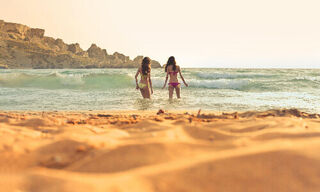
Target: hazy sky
x,y
199,33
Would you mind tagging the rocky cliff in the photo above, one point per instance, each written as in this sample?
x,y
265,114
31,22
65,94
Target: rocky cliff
x,y
25,47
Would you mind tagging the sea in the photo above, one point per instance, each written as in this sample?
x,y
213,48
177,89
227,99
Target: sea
x,y
114,89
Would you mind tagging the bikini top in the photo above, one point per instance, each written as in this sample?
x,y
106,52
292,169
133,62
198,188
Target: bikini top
x,y
173,72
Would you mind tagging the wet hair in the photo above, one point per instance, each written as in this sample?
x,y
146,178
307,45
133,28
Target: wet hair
x,y
146,65
171,61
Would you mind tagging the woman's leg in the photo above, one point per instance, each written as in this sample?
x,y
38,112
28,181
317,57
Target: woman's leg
x,y
142,93
178,91
145,92
170,92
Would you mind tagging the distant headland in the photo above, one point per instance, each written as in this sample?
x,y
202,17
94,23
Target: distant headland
x,y
24,47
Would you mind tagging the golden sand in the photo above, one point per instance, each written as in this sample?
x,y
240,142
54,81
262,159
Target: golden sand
x,y
276,150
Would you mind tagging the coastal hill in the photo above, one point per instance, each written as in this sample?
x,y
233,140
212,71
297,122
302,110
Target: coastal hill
x,y
25,47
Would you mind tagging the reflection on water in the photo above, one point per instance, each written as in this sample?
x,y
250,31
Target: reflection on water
x,y
173,103
143,104
160,103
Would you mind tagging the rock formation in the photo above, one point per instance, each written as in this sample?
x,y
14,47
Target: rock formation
x,y
96,52
138,59
25,47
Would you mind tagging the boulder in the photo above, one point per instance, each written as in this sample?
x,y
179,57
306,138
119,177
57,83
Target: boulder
x,y
117,61
96,52
50,42
62,46
74,48
83,54
121,56
18,29
34,32
13,36
110,57
155,64
138,59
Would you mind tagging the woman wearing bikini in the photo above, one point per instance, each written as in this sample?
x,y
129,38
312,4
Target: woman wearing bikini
x,y
145,84
172,70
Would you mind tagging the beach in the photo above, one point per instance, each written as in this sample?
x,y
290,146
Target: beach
x,y
169,150
116,96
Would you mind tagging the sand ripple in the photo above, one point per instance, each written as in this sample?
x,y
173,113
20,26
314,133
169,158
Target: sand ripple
x,y
274,150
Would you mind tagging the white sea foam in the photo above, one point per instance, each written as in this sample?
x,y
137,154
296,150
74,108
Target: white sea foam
x,y
219,84
215,75
309,78
70,79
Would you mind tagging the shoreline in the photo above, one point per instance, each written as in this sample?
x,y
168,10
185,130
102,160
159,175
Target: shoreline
x,y
279,112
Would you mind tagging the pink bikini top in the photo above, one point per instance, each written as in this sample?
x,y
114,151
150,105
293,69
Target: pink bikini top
x,y
173,72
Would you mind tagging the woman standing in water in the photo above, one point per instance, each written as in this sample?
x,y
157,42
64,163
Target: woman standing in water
x,y
172,70
145,84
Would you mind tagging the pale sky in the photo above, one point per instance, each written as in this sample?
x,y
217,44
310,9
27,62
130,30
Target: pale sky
x,y
199,33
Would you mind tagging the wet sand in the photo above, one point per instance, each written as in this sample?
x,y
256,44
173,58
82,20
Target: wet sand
x,y
276,150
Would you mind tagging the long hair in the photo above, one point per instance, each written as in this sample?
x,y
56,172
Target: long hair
x,y
146,65
171,61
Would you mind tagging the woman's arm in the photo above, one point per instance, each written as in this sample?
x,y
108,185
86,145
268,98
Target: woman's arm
x,y
182,78
150,83
136,77
165,82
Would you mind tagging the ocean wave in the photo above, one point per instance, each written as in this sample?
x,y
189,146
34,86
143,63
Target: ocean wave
x,y
205,75
58,80
114,79
219,84
307,78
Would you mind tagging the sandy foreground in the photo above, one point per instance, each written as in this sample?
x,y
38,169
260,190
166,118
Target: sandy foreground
x,y
276,150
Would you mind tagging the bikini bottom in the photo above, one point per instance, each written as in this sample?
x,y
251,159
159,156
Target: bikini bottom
x,y
174,85
142,85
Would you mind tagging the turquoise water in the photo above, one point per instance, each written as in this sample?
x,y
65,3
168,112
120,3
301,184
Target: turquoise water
x,y
114,89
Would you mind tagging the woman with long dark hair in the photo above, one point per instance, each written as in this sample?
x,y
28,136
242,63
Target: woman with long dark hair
x,y
145,84
172,70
